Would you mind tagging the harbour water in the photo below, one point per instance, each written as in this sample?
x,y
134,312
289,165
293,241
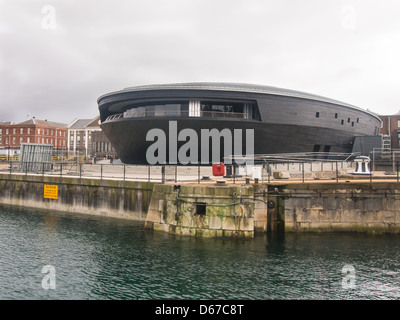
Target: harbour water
x,y
52,255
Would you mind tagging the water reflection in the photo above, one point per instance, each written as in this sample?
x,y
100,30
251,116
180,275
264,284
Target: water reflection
x,y
105,258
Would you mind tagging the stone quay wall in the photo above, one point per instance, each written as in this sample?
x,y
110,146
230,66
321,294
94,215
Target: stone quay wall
x,y
217,210
122,199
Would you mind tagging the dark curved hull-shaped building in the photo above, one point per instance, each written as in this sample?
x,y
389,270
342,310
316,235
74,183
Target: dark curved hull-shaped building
x,y
282,121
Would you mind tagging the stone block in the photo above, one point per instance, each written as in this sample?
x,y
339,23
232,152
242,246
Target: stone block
x,y
246,224
215,222
260,215
230,223
260,226
281,175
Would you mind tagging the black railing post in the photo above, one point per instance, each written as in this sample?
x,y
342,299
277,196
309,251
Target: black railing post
x,y
101,171
148,176
234,174
61,169
163,173
397,169
302,170
337,173
198,173
124,171
176,173
43,169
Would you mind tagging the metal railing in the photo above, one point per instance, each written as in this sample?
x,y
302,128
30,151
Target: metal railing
x,y
264,173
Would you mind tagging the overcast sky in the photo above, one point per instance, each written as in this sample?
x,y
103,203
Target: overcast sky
x,y
57,57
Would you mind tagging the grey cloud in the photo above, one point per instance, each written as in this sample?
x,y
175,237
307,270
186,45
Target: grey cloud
x,y
102,46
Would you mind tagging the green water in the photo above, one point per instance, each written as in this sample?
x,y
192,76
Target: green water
x,y
103,259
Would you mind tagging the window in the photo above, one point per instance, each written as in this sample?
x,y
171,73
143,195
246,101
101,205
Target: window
x,y
6,140
1,131
336,115
1,140
14,131
317,115
52,132
398,123
13,141
348,120
358,120
398,136
29,130
317,147
194,109
42,140
342,122
38,131
21,131
29,140
20,140
352,124
6,131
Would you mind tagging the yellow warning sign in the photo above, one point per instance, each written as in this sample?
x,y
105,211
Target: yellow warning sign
x,y
50,191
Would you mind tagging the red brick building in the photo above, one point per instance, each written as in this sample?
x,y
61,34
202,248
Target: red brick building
x,y
391,128
12,135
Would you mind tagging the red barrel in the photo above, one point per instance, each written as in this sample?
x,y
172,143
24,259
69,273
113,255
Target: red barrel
x,y
218,169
